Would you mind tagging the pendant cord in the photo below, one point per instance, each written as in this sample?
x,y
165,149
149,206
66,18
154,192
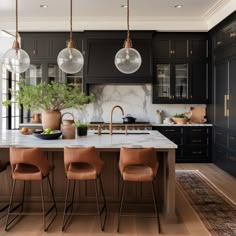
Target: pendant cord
x,y
70,20
16,20
128,33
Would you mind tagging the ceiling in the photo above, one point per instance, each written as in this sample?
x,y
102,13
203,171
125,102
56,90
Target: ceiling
x,y
195,15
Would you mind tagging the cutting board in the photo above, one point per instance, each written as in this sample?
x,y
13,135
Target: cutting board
x,y
198,114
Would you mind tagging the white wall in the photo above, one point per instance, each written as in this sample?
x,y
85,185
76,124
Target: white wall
x,y
6,42
134,99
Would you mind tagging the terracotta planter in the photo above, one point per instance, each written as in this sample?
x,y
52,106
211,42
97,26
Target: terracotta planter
x,y
51,119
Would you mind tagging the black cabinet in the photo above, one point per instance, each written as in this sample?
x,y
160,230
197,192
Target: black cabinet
x,y
194,143
101,48
180,68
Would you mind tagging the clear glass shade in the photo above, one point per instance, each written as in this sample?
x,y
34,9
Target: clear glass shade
x,y
128,60
70,60
16,60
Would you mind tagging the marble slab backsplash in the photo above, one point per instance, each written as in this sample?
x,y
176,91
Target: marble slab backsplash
x,y
134,99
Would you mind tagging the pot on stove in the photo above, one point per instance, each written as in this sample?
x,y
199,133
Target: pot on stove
x,y
128,119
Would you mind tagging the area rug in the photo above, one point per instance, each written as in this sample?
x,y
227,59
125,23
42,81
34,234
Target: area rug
x,y
217,212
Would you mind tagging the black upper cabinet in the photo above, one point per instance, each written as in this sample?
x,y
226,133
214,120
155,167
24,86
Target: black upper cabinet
x,y
46,46
101,48
180,68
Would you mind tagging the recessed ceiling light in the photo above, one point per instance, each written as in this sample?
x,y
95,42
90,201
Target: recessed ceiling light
x,y
178,6
124,6
44,6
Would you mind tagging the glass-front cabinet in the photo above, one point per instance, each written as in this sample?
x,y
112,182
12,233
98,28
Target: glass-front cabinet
x,y
171,83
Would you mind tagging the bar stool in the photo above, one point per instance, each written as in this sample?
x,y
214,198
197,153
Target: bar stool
x,y
29,164
138,165
83,164
3,167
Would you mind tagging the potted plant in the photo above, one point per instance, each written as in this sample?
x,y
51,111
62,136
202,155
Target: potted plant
x,y
50,98
82,128
180,118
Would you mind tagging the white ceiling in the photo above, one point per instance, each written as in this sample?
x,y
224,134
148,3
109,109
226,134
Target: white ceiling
x,y
196,15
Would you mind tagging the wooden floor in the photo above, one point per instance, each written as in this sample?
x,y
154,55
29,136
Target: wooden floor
x,y
189,223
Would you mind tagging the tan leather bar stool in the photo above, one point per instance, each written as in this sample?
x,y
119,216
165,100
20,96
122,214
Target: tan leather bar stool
x,y
138,165
83,164
3,167
29,164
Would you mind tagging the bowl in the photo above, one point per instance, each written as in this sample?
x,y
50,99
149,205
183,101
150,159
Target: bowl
x,y
56,134
180,120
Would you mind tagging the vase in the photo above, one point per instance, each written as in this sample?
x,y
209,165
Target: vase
x,y
51,119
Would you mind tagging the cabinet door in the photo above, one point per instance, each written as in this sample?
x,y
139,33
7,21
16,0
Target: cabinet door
x,y
181,81
198,89
198,49
34,75
179,49
232,99
162,83
221,89
162,48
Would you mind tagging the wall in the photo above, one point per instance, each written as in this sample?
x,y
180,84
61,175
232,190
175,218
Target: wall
x,y
134,99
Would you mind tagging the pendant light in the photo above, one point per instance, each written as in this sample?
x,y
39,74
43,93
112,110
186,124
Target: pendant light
x,y
16,59
128,59
70,60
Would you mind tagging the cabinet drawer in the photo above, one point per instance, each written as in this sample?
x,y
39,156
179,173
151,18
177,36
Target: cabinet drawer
x,y
196,139
196,130
195,151
220,138
170,130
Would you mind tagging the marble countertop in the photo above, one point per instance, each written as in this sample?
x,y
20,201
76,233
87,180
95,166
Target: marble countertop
x,y
135,139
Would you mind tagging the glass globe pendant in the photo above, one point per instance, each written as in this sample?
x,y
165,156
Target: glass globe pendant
x,y
128,60
16,59
70,60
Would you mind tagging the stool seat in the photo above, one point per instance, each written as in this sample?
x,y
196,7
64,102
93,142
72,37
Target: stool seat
x,y
82,171
139,173
28,172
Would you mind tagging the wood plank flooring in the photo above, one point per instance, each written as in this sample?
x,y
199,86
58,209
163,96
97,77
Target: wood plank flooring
x,y
188,225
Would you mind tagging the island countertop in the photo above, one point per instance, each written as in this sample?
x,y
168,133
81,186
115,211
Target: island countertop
x,y
135,139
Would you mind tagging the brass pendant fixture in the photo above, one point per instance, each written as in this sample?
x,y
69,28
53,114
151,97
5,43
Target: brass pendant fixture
x,y
16,59
128,60
70,60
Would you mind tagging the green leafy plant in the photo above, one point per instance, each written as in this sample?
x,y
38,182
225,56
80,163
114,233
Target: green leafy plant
x,y
182,115
52,96
79,124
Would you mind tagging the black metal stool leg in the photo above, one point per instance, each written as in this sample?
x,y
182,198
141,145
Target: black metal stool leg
x,y
104,202
10,204
121,205
156,207
43,206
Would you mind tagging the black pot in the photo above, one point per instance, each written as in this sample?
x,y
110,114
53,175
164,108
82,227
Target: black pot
x,y
82,131
128,119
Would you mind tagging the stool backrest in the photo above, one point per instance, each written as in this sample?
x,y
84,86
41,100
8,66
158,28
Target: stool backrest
x,y
30,156
88,155
138,156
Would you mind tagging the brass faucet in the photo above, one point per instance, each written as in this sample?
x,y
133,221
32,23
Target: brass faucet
x,y
117,106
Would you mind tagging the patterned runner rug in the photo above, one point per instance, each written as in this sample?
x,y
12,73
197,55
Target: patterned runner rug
x,y
217,212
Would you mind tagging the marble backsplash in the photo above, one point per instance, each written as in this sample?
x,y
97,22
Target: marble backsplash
x,y
134,99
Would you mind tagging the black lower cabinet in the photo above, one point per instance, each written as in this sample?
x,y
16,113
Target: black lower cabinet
x,y
194,143
225,149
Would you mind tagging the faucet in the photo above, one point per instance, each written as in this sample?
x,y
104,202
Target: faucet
x,y
112,110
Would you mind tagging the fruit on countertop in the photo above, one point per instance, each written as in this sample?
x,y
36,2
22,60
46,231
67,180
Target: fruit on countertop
x,y
24,130
47,131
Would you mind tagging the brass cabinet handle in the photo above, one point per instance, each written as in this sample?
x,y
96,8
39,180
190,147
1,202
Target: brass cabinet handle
x,y
170,130
196,130
226,110
232,35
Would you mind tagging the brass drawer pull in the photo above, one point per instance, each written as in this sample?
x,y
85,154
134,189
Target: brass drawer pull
x,y
197,130
197,141
170,130
195,152
232,158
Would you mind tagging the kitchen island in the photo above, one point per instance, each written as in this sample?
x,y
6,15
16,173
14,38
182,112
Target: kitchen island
x,y
108,146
